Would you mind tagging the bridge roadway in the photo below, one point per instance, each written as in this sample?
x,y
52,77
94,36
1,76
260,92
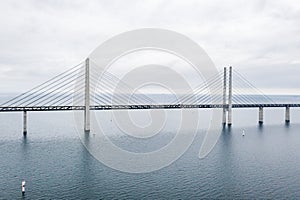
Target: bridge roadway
x,y
127,107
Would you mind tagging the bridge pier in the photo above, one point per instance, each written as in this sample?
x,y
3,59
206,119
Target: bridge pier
x,y
87,97
24,123
230,98
287,114
261,115
224,99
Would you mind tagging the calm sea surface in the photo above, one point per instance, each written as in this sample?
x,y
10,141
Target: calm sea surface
x,y
263,164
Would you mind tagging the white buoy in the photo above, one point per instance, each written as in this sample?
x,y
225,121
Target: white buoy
x,y
23,187
243,133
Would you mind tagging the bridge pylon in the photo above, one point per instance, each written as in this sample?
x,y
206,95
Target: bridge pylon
x,y
87,97
230,98
224,98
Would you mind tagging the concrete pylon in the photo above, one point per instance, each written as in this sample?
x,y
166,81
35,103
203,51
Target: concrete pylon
x,y
224,98
261,115
230,98
287,114
87,97
25,123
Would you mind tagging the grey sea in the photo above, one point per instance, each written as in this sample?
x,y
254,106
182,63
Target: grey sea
x,y
264,164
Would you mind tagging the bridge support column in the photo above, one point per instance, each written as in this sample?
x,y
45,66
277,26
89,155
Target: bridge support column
x,y
87,97
287,114
25,123
230,98
224,98
261,115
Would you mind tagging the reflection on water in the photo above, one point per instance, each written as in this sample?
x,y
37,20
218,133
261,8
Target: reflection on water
x,y
262,164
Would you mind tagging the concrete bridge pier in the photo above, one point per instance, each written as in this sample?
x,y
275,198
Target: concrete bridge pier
x,y
287,114
87,97
261,115
24,123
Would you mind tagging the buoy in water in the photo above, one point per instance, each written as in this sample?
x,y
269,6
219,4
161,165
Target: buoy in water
x,y
243,133
23,187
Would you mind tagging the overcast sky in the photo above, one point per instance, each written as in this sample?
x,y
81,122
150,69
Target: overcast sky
x,y
260,39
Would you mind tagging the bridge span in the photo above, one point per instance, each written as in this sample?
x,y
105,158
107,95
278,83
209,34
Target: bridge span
x,y
57,94
137,106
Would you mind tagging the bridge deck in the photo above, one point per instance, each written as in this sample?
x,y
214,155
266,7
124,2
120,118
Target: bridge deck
x,y
127,107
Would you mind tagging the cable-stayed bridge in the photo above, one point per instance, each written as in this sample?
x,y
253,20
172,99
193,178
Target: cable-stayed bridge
x,y
71,90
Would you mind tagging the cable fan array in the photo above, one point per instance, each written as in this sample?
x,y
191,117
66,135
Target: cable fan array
x,y
246,93
208,92
56,91
68,88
